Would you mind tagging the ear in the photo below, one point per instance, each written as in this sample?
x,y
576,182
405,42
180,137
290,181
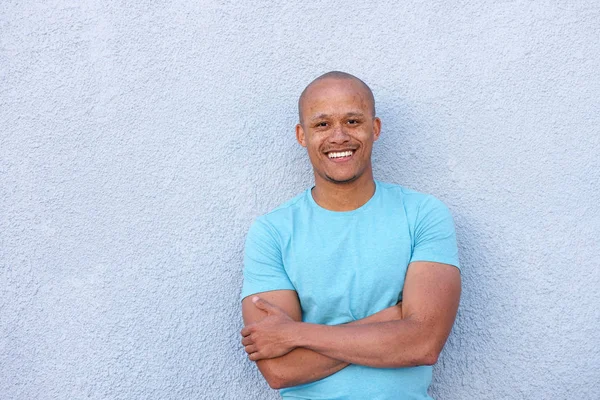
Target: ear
x,y
300,135
376,128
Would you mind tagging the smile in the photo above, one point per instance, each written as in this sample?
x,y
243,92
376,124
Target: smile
x,y
340,154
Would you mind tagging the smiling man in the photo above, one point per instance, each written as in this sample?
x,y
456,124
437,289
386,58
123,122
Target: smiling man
x,y
351,288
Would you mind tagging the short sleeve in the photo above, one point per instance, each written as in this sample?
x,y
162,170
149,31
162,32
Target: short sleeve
x,y
434,234
263,265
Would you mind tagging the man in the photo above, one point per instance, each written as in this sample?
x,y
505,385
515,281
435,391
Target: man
x,y
351,288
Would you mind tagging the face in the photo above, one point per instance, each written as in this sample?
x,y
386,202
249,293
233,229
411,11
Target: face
x,y
338,129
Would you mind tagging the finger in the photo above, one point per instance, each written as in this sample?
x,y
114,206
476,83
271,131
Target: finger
x,y
247,340
264,305
250,349
246,331
255,356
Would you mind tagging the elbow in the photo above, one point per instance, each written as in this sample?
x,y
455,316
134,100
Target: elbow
x,y
427,346
429,358
424,353
416,359
430,352
277,382
274,378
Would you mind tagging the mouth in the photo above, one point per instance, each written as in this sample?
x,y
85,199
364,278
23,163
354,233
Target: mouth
x,y
339,156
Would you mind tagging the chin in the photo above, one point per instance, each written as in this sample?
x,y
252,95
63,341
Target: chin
x,y
341,180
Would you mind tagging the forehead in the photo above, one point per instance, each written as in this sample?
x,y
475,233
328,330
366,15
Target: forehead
x,y
333,96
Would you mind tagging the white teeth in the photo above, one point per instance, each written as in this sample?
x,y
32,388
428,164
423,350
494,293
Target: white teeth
x,y
340,154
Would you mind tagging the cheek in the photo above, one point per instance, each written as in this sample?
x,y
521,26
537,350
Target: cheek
x,y
314,156
313,147
312,151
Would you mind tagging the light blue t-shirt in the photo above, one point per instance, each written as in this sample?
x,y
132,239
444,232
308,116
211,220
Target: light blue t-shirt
x,y
349,265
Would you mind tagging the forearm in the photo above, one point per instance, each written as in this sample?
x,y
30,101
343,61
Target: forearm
x,y
431,297
392,344
298,367
303,365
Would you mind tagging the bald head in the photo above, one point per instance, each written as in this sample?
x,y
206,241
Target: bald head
x,y
335,76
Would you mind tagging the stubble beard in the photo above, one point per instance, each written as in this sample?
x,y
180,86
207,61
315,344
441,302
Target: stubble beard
x,y
341,182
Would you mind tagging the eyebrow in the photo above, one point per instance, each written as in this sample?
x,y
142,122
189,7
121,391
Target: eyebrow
x,y
350,114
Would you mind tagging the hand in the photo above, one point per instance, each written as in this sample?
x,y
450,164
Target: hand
x,y
271,337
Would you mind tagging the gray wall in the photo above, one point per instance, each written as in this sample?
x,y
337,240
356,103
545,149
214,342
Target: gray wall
x,y
138,142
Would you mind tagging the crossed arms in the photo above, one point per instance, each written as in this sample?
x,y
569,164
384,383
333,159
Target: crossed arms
x,y
289,352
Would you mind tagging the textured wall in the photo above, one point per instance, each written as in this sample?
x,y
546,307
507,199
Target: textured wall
x,y
138,140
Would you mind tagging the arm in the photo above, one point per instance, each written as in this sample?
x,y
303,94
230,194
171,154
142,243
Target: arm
x,y
430,301
300,365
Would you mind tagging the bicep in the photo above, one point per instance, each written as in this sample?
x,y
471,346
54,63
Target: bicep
x,y
287,300
431,296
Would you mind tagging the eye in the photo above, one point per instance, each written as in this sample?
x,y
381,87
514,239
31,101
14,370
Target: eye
x,y
353,121
321,124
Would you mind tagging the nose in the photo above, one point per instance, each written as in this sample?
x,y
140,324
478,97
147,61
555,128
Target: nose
x,y
339,134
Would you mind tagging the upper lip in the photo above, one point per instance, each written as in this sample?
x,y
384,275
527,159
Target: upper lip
x,y
338,150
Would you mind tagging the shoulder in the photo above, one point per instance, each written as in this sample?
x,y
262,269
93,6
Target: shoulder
x,y
293,205
281,217
420,209
412,200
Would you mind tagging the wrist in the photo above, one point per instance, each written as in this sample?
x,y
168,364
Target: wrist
x,y
299,334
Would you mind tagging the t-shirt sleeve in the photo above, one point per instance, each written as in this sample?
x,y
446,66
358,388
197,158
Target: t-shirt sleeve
x,y
263,265
434,237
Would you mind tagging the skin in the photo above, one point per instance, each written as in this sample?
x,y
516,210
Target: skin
x,y
431,296
300,365
337,113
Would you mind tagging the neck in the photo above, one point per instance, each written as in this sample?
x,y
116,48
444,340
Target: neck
x,y
344,196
